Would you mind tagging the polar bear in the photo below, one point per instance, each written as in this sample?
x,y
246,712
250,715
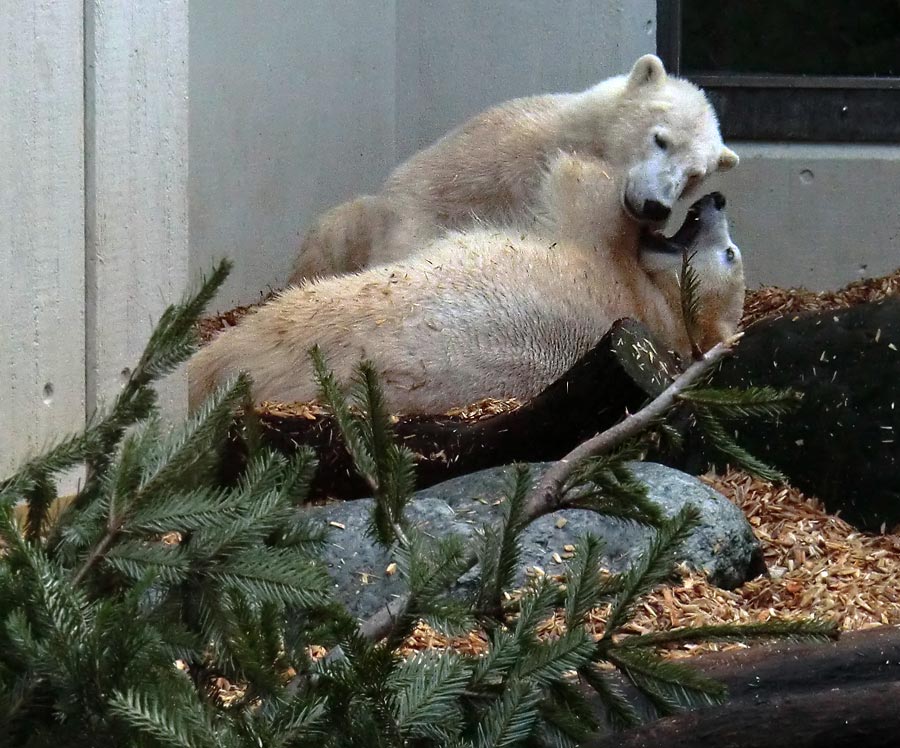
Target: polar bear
x,y
489,312
658,130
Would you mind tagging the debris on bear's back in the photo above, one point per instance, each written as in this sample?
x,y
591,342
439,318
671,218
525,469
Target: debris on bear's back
x,y
770,301
209,327
766,301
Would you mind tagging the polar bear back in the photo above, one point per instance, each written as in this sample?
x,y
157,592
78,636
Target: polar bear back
x,y
493,312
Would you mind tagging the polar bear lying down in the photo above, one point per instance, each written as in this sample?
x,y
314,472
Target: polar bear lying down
x,y
660,131
489,312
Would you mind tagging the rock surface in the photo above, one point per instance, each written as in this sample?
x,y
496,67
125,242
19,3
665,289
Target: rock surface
x,y
723,545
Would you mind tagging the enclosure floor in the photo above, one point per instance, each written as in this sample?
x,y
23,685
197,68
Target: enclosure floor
x,y
819,566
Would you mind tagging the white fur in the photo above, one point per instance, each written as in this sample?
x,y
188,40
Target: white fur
x,y
489,312
490,167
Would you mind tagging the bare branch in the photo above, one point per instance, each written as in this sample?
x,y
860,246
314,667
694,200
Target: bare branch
x,y
545,497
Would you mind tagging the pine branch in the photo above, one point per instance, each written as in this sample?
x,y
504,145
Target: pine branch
x,y
546,497
670,685
689,283
277,575
428,688
500,550
721,442
583,587
604,484
332,395
551,659
567,715
504,650
749,402
620,713
510,720
653,567
39,499
166,721
791,630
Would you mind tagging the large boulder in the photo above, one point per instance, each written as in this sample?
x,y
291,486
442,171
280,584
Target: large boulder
x,y
723,545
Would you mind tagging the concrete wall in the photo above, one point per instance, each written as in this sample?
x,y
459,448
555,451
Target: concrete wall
x,y
814,215
42,226
458,58
292,110
93,194
298,106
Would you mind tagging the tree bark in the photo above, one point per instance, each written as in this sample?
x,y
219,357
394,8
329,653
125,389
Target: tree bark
x,y
790,695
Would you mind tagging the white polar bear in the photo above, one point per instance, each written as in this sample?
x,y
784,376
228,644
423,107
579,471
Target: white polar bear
x,y
489,312
658,130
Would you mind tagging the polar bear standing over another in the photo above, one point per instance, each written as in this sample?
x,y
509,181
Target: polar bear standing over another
x,y
489,312
661,132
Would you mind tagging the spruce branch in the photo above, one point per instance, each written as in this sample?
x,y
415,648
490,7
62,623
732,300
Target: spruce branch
x,y
791,630
654,566
723,443
747,402
669,685
689,284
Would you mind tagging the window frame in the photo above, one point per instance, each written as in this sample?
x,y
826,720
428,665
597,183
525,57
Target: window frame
x,y
793,108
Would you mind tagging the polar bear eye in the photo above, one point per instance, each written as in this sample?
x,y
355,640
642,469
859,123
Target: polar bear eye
x,y
661,142
729,254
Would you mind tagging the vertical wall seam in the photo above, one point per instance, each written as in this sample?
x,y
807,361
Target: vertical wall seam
x,y
90,212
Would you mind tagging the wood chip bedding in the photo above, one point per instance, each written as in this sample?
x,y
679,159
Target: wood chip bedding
x,y
819,567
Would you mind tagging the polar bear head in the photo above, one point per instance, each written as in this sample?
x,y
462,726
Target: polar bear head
x,y
662,131
706,239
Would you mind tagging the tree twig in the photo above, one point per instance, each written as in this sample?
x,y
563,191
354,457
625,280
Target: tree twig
x,y
545,497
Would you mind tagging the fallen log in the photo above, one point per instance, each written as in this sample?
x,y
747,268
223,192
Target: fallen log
x,y
790,695
842,445
616,376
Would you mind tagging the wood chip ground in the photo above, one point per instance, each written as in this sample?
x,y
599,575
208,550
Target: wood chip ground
x,y
819,566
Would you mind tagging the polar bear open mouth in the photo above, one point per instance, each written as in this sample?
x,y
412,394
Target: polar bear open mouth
x,y
681,240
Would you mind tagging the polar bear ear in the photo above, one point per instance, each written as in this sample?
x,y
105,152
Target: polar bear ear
x,y
728,159
647,70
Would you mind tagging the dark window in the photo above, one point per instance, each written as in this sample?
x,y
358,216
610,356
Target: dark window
x,y
798,70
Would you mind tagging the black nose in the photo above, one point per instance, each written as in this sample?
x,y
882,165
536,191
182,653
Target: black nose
x,y
718,200
655,210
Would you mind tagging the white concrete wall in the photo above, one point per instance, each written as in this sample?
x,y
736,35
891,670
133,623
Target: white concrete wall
x,y
292,110
136,201
93,194
457,58
41,225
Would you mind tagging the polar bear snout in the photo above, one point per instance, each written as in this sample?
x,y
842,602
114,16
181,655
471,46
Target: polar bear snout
x,y
714,200
654,210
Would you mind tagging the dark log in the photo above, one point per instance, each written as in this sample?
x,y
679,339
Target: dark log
x,y
791,695
592,396
843,443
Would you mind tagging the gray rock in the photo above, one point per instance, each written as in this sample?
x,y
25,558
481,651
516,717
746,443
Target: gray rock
x,y
723,545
